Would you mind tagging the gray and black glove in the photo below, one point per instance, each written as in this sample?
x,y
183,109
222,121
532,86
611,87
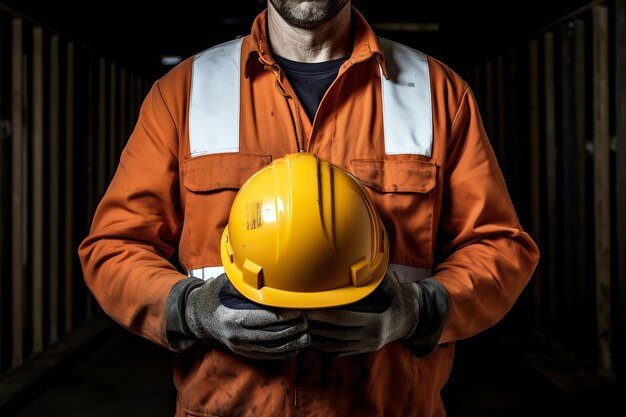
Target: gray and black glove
x,y
397,310
216,310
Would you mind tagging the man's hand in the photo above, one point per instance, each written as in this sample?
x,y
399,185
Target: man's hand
x,y
216,310
397,309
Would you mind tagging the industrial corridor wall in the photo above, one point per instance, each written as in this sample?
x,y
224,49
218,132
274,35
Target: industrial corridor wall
x,y
554,105
65,114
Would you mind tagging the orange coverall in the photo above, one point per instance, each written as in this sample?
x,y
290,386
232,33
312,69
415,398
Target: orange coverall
x,y
449,212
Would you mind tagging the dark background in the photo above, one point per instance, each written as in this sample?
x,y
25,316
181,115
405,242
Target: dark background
x,y
138,33
541,359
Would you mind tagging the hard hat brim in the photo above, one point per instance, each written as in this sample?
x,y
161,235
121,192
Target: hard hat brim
x,y
305,300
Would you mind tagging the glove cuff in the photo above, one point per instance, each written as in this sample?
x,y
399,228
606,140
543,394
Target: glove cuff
x,y
433,313
179,336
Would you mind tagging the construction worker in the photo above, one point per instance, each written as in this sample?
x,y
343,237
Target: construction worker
x,y
311,77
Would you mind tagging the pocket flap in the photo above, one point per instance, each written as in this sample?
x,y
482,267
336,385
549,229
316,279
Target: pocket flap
x,y
397,175
221,170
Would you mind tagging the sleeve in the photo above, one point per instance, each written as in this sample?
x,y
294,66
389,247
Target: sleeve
x,y
485,257
136,227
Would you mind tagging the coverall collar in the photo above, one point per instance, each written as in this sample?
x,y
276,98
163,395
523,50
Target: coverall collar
x,y
365,45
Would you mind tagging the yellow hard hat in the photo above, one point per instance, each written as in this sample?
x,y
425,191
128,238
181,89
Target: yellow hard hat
x,y
303,233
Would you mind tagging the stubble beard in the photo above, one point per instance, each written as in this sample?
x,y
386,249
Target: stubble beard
x,y
308,14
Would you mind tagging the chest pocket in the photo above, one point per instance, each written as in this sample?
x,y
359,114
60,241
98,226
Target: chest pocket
x,y
210,185
402,187
397,175
222,170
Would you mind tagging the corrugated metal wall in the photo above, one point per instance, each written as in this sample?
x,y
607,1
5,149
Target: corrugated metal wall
x,y
65,114
555,108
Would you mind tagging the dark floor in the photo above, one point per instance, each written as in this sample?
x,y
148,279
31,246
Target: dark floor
x,y
131,376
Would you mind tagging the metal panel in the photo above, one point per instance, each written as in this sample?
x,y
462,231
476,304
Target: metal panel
x,y
5,224
583,285
601,178
489,101
123,111
17,209
567,329
101,176
38,190
113,128
54,183
477,84
90,184
535,158
500,109
551,185
514,133
68,223
133,103
91,133
620,176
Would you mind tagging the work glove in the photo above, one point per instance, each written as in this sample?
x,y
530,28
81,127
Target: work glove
x,y
215,310
396,310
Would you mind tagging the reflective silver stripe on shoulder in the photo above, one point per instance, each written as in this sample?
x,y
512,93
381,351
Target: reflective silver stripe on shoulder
x,y
214,101
206,272
411,273
407,104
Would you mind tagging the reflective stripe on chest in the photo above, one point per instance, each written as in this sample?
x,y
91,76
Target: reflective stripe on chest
x,y
214,102
215,91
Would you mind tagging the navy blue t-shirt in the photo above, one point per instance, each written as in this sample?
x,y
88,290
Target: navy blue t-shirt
x,y
310,79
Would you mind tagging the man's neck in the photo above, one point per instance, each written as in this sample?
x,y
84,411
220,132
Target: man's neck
x,y
329,41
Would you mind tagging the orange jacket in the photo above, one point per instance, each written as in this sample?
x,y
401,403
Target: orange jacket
x,y
449,212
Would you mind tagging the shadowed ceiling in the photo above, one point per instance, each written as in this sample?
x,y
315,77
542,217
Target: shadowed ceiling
x,y
139,33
